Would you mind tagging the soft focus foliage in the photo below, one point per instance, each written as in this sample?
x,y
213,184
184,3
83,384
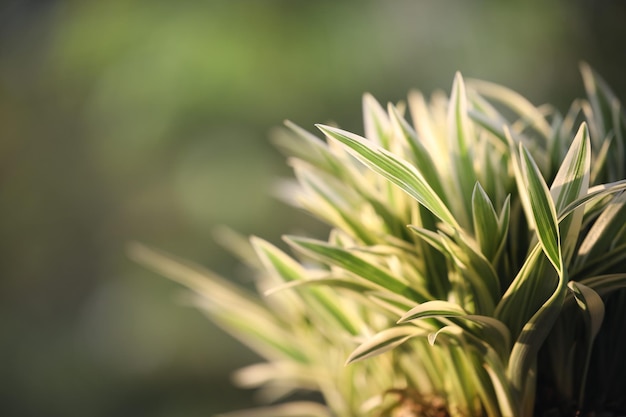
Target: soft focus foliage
x,y
148,120
515,234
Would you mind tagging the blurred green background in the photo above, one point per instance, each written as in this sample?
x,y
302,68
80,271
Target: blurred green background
x,y
149,121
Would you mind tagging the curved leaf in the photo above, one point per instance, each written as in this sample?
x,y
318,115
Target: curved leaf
x,y
593,312
398,171
347,260
542,209
486,224
383,342
435,308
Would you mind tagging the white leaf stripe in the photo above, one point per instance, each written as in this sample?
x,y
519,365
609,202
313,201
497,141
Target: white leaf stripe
x,y
543,210
400,172
383,342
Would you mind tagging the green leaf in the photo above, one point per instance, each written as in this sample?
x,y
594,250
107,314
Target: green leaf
x,y
503,228
508,406
520,105
376,121
398,171
435,308
297,142
292,272
572,179
454,332
343,283
475,273
532,336
231,307
383,342
594,194
532,286
593,312
605,284
606,120
486,224
542,209
461,143
601,237
485,328
331,201
571,183
423,160
592,306
345,259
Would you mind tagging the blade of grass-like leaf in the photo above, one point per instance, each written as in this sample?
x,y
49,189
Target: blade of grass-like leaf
x,y
486,224
426,126
595,193
294,141
600,238
194,277
423,159
532,336
593,312
377,125
229,306
571,183
526,110
455,382
557,145
601,158
477,273
347,260
519,302
508,406
484,387
343,283
503,229
486,328
598,122
605,284
619,128
236,244
464,393
291,271
592,305
461,141
543,211
383,342
331,200
572,179
400,172
392,302
603,263
434,308
606,121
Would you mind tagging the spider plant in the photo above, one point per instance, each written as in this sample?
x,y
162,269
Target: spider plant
x,y
475,259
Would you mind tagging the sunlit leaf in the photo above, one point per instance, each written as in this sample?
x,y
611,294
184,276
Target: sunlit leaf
x,y
570,184
486,224
383,342
400,172
461,141
352,263
542,209
592,307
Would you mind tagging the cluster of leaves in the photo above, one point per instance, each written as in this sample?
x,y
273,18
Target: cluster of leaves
x,y
515,236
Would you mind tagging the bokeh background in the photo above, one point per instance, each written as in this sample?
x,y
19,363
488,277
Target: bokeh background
x,y
149,121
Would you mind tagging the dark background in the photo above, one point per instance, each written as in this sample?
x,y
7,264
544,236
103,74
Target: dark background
x,y
149,121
